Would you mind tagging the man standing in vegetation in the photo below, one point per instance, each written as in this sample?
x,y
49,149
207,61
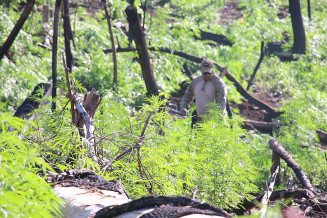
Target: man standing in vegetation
x,y
206,89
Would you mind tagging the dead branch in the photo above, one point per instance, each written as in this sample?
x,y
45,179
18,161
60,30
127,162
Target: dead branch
x,y
137,145
70,96
277,195
20,23
268,192
82,115
262,55
195,59
277,147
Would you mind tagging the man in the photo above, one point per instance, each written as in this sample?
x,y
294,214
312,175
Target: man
x,y
206,89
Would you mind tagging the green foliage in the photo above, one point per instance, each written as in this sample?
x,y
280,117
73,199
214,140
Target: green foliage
x,y
22,192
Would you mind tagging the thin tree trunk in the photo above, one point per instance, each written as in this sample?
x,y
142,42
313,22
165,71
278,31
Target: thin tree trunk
x,y
142,48
12,36
298,28
114,52
309,9
54,53
68,36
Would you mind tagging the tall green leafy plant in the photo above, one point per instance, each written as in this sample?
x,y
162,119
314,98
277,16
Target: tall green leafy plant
x,y
22,192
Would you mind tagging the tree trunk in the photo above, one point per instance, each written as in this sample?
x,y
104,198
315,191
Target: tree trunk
x,y
114,52
298,28
142,48
68,36
54,53
12,36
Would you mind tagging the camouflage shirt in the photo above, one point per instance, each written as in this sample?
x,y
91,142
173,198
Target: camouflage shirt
x,y
205,92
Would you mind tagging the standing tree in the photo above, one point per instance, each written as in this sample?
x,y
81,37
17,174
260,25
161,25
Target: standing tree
x,y
11,38
54,53
298,28
114,52
142,49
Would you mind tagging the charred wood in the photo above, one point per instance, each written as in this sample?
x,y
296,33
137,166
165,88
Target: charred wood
x,y
153,201
218,38
33,101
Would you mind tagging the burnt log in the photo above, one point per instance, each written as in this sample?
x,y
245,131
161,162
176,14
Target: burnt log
x,y
185,206
218,38
277,147
33,101
142,49
262,127
322,136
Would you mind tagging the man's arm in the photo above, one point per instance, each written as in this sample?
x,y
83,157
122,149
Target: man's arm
x,y
221,94
188,97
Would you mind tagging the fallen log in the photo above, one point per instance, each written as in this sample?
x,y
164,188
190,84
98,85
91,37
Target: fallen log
x,y
322,136
172,206
262,127
277,147
33,101
195,59
218,38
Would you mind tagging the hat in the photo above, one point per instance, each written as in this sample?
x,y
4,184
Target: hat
x,y
206,66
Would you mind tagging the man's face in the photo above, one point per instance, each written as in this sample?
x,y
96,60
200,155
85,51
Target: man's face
x,y
206,76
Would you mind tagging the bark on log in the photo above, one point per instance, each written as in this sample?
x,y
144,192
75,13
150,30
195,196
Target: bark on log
x,y
20,23
195,59
33,101
298,27
142,48
54,53
277,147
